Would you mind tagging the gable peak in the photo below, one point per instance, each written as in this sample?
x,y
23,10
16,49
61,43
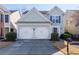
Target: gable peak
x,y
55,7
33,8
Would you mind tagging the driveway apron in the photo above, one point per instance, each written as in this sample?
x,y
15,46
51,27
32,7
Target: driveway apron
x,y
31,47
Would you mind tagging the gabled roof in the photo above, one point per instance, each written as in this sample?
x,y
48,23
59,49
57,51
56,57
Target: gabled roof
x,y
43,12
33,16
25,12
4,8
55,10
13,11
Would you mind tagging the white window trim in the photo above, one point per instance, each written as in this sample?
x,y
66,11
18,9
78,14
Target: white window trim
x,y
55,19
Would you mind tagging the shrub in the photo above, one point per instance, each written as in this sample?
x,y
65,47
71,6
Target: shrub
x,y
69,33
11,36
62,36
54,37
65,36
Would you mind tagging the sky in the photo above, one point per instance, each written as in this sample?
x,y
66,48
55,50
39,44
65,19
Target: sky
x,y
64,7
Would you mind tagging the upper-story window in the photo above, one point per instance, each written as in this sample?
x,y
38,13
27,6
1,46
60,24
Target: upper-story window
x,y
55,19
1,17
6,18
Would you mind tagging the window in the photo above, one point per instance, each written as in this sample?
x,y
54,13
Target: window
x,y
1,31
6,30
6,18
55,30
51,18
1,17
55,19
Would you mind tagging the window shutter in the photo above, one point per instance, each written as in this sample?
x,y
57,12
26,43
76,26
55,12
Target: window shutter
x,y
6,18
1,32
59,19
51,18
1,17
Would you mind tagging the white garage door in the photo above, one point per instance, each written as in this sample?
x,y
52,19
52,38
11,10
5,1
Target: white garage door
x,y
42,33
33,33
25,33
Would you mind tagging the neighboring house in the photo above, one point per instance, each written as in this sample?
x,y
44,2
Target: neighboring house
x,y
8,18
36,24
4,21
72,21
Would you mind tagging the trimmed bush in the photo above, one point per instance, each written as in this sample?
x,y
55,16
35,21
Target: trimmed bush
x,y
54,37
65,36
69,33
62,36
11,36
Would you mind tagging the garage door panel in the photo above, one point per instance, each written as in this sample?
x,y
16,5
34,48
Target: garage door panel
x,y
26,33
42,33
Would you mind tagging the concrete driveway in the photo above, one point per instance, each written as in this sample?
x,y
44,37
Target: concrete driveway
x,y
31,47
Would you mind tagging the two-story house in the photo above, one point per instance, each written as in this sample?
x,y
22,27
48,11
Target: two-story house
x,y
56,16
8,18
35,24
4,21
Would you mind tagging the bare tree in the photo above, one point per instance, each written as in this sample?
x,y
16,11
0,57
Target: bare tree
x,y
75,18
